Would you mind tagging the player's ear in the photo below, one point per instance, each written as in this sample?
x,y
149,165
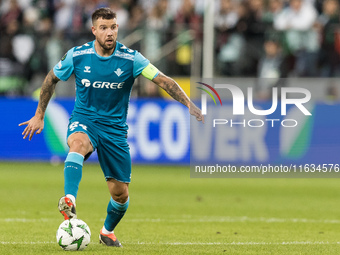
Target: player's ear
x,y
93,30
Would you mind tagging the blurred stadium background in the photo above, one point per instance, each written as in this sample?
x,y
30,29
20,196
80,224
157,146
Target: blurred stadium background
x,y
258,38
251,43
257,43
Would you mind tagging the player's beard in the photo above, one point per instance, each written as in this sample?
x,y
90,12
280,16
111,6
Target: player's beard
x,y
106,47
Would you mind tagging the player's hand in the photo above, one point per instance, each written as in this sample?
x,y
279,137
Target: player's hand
x,y
195,111
34,125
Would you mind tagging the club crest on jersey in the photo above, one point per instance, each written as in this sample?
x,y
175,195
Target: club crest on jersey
x,y
87,69
119,72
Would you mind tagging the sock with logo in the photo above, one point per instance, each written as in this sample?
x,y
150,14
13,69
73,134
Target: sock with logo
x,y
115,212
73,173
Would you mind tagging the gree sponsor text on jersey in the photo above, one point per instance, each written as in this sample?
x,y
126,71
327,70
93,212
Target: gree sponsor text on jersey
x,y
102,84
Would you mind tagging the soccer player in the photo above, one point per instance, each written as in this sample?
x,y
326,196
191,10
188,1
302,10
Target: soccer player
x,y
105,71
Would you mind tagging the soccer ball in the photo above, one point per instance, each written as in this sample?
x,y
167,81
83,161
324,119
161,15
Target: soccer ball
x,y
73,235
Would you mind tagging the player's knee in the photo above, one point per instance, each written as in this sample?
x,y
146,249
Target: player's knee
x,y
79,145
120,197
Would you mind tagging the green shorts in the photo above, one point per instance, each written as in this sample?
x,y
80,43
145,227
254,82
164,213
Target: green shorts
x,y
111,145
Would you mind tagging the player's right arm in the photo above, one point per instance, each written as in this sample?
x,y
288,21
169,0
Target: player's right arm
x,y
36,123
61,71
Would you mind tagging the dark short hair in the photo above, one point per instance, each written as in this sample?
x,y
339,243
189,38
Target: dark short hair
x,y
104,13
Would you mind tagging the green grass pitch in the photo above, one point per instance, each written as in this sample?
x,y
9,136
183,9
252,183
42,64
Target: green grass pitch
x,y
170,213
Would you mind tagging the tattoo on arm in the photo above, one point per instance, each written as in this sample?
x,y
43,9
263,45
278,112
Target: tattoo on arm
x,y
47,90
174,90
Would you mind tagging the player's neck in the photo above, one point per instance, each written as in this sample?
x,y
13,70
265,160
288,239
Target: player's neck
x,y
103,52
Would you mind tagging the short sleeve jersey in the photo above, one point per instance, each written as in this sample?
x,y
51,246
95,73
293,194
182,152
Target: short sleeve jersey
x,y
103,84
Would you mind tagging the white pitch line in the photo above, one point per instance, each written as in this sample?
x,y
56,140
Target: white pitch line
x,y
193,243
237,243
20,243
24,220
198,220
236,219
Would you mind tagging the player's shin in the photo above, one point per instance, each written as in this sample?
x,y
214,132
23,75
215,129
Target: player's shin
x,y
115,212
73,173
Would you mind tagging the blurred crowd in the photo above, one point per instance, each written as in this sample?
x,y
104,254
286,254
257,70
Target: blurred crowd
x,y
253,38
278,38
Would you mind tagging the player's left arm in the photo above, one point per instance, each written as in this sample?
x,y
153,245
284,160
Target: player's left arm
x,y
149,71
176,92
